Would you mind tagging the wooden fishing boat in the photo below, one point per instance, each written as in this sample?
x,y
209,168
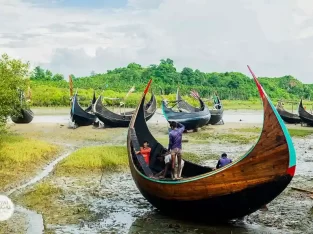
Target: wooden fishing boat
x,y
233,191
111,119
89,108
287,116
305,116
191,120
79,116
216,112
25,117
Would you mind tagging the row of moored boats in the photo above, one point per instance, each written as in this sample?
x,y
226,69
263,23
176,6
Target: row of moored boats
x,y
192,117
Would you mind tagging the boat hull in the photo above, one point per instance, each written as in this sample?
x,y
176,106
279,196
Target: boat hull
x,y
289,117
216,116
305,116
79,116
25,118
224,207
114,120
83,120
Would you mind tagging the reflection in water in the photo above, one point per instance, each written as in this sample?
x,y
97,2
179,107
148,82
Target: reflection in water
x,y
154,222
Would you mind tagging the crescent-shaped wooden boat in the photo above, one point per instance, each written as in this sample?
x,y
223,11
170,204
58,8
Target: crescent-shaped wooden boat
x,y
287,116
79,116
191,120
305,116
216,114
89,108
233,191
25,117
112,119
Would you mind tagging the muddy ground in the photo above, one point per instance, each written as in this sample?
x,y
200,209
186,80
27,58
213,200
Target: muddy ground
x,y
115,205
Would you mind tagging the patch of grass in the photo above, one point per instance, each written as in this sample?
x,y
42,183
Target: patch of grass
x,y
250,130
300,132
20,157
292,131
163,141
48,200
107,158
195,158
223,137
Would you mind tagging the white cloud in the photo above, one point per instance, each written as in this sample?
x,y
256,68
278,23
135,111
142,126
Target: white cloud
x,y
274,37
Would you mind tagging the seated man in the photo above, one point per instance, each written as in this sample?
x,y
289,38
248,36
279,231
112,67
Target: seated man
x,y
223,161
168,162
145,151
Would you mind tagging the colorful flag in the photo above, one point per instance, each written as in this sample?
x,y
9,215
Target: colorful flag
x,y
194,94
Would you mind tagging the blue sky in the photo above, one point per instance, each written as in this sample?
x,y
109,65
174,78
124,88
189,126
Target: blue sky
x,y
82,3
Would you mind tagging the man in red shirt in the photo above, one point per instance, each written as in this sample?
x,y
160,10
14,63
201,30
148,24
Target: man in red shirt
x,y
145,152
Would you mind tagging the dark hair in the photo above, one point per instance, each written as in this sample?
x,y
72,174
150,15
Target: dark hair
x,y
146,142
173,124
224,155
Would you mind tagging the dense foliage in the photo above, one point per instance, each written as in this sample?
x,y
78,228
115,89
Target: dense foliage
x,y
49,89
13,74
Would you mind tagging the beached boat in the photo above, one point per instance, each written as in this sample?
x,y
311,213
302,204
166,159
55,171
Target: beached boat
x,y
287,116
233,191
216,112
112,119
93,101
79,116
25,117
25,114
305,116
191,120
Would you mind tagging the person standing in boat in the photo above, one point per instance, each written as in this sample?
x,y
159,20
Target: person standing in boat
x,y
223,161
175,146
145,151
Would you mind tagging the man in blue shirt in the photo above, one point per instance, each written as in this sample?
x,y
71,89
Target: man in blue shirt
x,y
223,161
175,145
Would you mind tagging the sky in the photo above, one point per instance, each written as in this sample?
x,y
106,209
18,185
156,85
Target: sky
x,y
274,37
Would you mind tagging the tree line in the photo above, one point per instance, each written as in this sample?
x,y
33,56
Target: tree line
x,y
166,79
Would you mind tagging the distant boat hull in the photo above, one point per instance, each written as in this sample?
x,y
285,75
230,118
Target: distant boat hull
x,y
191,120
114,120
305,116
26,117
287,116
216,116
79,116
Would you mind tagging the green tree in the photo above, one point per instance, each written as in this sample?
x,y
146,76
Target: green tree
x,y
57,77
13,74
38,74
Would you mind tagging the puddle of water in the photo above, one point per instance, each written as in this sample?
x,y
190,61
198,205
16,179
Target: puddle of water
x,y
35,220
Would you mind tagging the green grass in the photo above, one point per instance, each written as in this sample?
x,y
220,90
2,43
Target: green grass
x,y
106,158
292,131
20,157
47,199
195,158
222,137
248,130
300,132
